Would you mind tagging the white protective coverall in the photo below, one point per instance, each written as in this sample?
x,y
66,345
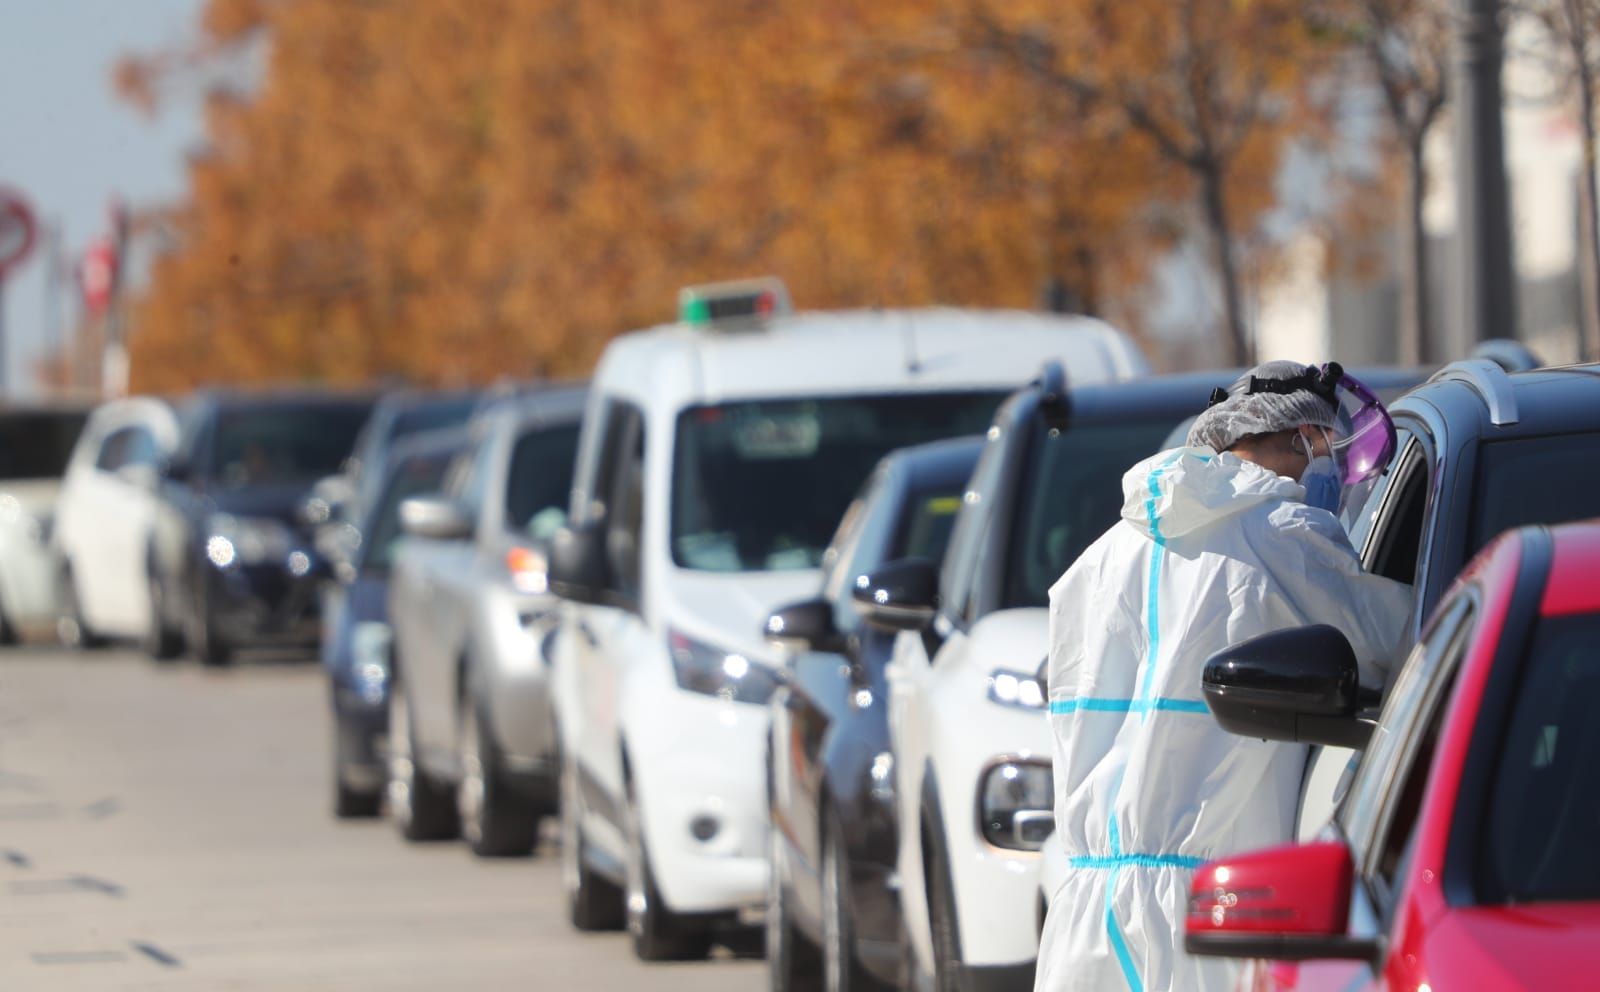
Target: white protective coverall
x,y
1211,550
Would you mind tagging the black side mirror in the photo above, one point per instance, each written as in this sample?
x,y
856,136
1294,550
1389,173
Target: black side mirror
x,y
804,626
901,595
1299,684
578,563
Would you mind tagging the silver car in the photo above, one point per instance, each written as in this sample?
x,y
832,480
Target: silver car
x,y
471,740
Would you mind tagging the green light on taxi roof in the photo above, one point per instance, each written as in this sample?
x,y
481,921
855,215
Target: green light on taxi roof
x,y
694,310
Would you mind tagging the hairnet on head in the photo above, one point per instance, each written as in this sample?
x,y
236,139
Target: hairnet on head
x,y
1244,413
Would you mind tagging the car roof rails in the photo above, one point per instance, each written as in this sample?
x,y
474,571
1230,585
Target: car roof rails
x,y
1490,381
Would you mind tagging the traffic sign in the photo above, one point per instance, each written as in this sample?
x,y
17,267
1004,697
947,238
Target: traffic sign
x,y
17,230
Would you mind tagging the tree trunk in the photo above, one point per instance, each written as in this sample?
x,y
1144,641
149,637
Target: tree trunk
x,y
1588,225
1414,297
1217,223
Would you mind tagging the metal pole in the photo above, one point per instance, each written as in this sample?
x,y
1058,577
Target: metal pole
x,y
4,381
1488,277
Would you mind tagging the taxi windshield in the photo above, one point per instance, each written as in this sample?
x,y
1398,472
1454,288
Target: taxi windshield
x,y
760,485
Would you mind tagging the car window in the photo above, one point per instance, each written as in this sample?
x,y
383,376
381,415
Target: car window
x,y
468,479
37,445
760,485
539,483
841,562
1070,494
141,447
1395,742
1394,544
925,526
622,476
958,574
282,445
1544,807
1543,480
1364,499
413,476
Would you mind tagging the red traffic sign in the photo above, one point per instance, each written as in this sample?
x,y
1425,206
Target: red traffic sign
x,y
17,230
98,274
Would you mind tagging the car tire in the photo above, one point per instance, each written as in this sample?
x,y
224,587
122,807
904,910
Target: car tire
x,y
841,970
495,822
71,629
658,934
161,642
792,963
210,647
350,803
593,903
942,921
421,808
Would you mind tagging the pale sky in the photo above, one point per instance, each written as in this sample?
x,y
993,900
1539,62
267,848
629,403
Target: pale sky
x,y
69,144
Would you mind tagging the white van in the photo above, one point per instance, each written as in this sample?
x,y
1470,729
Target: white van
x,y
715,459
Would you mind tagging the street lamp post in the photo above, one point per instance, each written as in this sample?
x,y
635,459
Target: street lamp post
x,y
1487,275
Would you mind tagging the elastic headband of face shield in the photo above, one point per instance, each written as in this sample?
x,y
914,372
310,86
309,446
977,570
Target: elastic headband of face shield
x,y
1365,438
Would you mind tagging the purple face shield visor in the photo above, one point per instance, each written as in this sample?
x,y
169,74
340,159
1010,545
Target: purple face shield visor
x,y
1364,438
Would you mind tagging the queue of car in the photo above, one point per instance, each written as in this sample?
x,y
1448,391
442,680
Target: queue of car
x,y
758,615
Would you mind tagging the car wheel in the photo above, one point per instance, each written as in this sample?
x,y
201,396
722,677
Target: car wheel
x,y
210,647
495,823
8,630
840,970
161,642
349,803
658,933
593,903
421,808
792,962
942,923
71,630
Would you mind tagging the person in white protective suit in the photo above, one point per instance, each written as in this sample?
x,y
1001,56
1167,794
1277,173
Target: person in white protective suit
x,y
1218,542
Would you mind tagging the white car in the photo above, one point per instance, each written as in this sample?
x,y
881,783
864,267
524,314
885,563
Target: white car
x,y
108,502
35,442
715,460
971,742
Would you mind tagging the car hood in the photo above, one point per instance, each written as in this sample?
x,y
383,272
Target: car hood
x,y
1536,946
730,609
279,501
34,496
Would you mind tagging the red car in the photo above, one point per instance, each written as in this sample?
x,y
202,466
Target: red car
x,y
1466,852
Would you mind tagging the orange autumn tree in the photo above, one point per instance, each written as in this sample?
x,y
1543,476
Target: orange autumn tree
x,y
452,193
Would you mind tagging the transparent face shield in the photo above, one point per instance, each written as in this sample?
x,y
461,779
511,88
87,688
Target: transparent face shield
x,y
1363,432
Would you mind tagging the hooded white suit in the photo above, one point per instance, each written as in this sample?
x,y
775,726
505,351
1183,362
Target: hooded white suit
x,y
1211,550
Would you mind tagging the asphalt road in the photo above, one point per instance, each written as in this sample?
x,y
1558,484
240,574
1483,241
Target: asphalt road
x,y
169,828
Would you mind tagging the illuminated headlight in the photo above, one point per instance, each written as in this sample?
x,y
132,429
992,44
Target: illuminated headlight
x,y
1014,805
251,540
1019,689
713,671
369,649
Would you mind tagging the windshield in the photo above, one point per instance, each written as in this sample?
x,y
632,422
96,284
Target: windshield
x,y
540,484
265,446
37,445
1546,480
414,476
1539,841
1071,494
761,485
432,415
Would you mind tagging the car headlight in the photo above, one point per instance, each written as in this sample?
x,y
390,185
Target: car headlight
x,y
369,650
713,671
1014,804
1020,689
249,540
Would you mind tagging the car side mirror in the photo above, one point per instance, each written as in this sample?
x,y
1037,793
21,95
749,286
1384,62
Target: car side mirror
x,y
434,517
1300,684
900,595
804,626
578,563
1288,903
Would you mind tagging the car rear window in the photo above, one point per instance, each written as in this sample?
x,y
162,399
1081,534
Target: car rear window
x,y
1544,811
1534,480
540,482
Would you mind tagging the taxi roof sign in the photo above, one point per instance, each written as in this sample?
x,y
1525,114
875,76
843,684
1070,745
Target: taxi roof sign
x,y
736,301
